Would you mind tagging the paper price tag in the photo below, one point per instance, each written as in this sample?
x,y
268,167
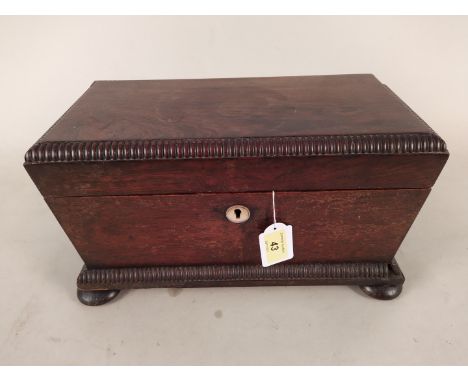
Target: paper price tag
x,y
276,244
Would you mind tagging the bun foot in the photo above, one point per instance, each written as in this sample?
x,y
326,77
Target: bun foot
x,y
96,297
382,292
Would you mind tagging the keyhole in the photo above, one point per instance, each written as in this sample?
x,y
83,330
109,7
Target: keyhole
x,y
237,214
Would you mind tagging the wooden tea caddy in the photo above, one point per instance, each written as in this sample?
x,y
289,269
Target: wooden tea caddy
x,y
140,175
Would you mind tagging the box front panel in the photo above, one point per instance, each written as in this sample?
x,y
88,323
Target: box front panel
x,y
328,226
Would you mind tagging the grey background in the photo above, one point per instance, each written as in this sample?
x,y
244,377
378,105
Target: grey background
x,y
47,62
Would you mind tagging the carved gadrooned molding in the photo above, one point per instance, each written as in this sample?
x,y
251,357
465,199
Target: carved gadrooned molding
x,y
45,152
176,276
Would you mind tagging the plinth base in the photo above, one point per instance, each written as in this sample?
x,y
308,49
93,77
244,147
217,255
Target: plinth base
x,y
379,280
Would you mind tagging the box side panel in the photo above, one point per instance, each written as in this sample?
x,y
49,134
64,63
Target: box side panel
x,y
328,226
147,177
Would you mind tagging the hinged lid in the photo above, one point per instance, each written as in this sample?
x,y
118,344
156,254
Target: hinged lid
x,y
235,135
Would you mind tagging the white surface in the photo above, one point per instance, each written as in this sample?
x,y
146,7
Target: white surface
x,y
46,63
238,7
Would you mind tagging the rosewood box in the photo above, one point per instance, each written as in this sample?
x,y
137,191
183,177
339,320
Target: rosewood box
x,y
169,183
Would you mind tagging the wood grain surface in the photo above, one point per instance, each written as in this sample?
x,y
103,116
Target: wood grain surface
x,y
329,226
237,175
235,107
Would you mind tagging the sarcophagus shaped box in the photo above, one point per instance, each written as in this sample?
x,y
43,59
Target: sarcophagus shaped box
x,y
169,183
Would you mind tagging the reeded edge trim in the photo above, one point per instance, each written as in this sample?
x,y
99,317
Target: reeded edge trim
x,y
226,148
310,273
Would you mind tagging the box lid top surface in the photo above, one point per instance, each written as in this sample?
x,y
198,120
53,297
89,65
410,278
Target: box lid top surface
x,y
165,119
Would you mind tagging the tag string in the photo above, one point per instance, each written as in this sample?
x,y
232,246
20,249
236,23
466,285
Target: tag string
x,y
274,209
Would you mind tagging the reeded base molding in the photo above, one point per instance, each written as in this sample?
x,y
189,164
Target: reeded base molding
x,y
378,280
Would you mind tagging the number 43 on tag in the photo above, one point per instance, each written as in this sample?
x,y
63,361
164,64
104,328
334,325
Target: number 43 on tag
x,y
276,244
